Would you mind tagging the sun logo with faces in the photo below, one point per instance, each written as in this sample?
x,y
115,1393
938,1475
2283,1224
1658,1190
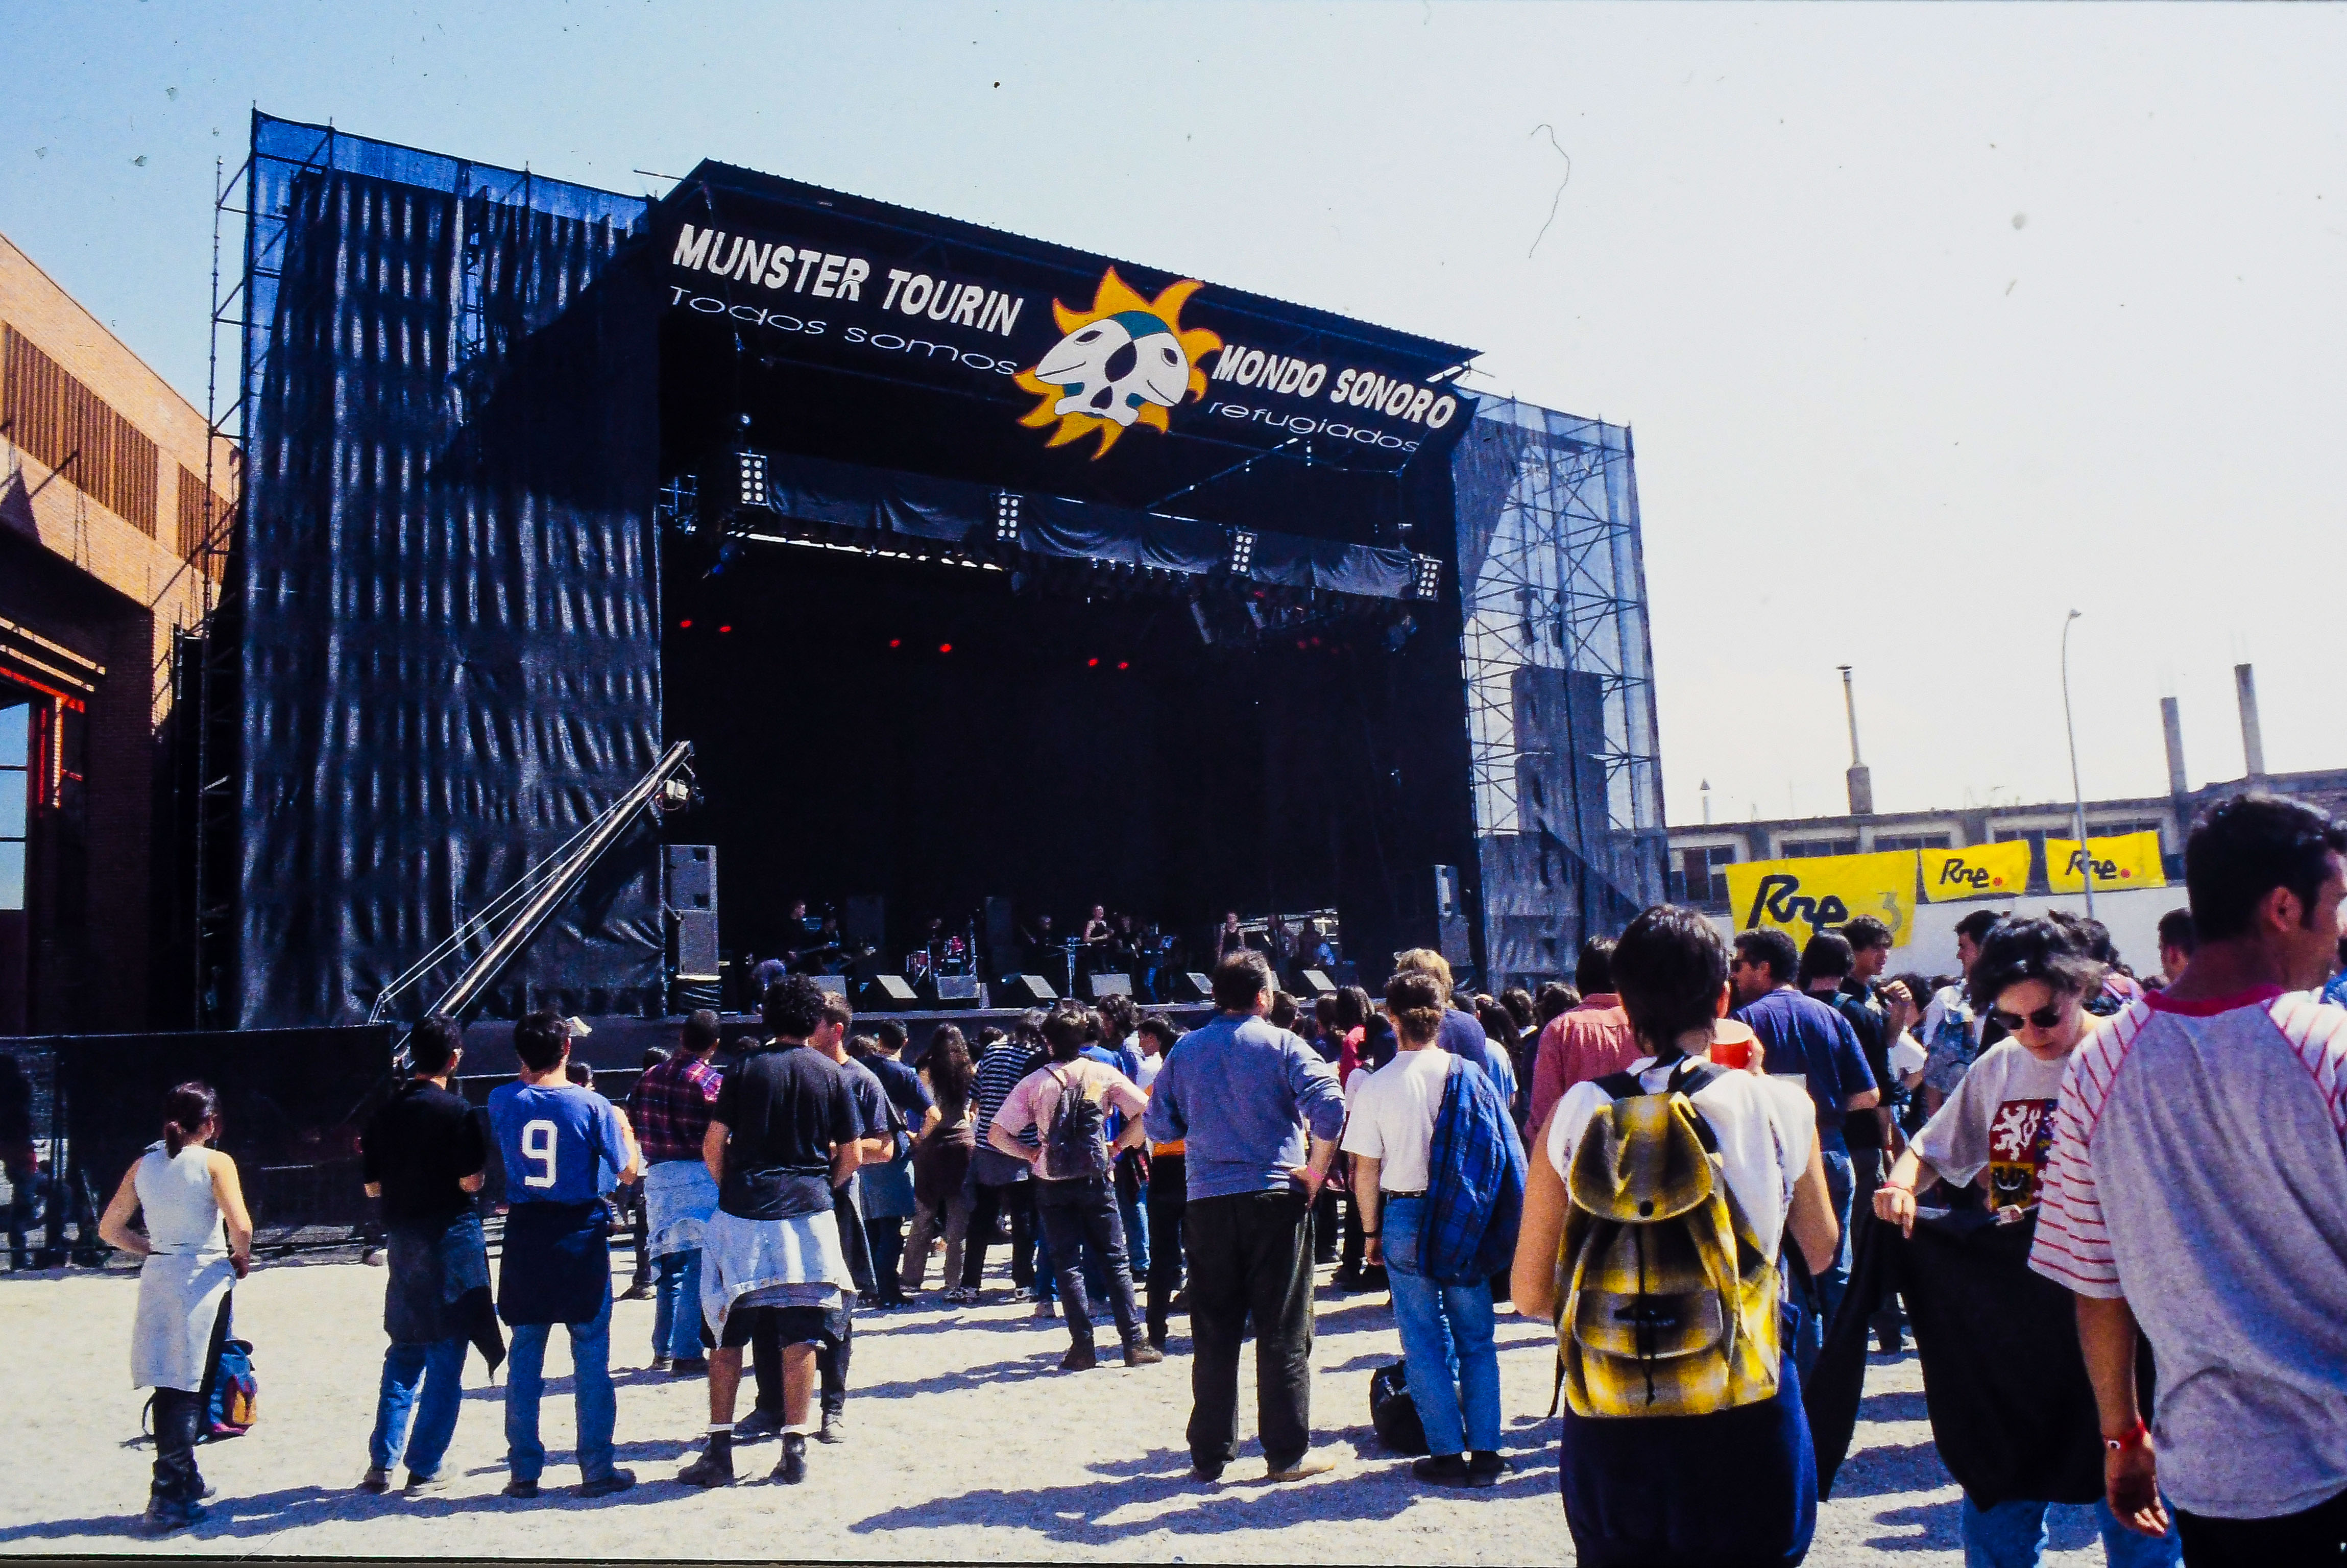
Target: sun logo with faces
x,y
1124,361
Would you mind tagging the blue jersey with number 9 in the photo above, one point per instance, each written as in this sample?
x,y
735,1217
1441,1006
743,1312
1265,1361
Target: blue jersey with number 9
x,y
550,1137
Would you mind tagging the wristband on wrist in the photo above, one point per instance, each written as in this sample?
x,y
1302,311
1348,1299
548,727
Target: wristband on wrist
x,y
1368,1236
2134,1438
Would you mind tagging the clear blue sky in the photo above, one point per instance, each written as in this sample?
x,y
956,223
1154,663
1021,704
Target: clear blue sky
x,y
1932,321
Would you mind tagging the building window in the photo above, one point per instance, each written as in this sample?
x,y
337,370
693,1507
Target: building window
x,y
2120,829
1912,841
1707,873
1811,848
53,416
16,800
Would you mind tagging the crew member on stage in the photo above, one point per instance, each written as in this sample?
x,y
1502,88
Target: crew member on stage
x,y
802,938
1229,938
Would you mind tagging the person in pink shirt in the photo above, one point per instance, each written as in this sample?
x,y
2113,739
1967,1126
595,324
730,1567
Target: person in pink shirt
x,y
1586,1044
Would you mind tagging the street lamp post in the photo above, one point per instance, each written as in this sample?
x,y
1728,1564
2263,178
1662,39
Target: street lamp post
x,y
2077,794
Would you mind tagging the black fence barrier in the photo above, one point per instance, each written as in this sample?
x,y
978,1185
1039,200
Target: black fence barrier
x,y
291,1103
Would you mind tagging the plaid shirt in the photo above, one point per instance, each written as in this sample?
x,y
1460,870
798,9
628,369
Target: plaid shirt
x,y
670,1104
1475,1200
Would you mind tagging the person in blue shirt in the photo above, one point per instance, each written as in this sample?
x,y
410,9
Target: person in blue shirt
x,y
1800,1034
1259,1113
557,1267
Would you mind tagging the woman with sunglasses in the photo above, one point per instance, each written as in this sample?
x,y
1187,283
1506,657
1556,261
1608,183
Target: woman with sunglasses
x,y
2033,980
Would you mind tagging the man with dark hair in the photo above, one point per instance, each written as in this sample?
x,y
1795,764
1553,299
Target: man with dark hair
x,y
2176,941
1000,1185
1830,967
1953,1031
1586,1042
1870,950
1168,1185
784,1138
884,1188
670,1106
1242,1096
553,1137
424,1156
1803,1034
1067,1100
2196,1193
1115,1048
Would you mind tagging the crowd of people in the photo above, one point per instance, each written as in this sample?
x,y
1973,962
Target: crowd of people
x,y
1746,1161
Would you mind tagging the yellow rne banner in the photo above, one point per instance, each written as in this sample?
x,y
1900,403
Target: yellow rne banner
x,y
2130,860
1802,897
1978,871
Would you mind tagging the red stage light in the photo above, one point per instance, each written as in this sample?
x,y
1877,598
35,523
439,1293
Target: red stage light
x,y
722,629
1122,665
1092,663
686,625
944,647
896,642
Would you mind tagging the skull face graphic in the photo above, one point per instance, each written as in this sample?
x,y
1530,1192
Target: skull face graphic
x,y
1112,367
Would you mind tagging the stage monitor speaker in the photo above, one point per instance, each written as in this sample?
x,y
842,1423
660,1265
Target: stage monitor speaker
x,y
1200,988
1319,984
1108,983
830,984
692,944
1002,929
690,873
960,991
1024,991
866,922
891,993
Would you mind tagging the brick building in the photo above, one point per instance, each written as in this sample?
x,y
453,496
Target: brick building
x,y
103,518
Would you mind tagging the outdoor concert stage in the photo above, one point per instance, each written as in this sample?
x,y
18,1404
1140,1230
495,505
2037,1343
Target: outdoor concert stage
x,y
971,567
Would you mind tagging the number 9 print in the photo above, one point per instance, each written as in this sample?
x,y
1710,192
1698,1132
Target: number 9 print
x,y
537,1144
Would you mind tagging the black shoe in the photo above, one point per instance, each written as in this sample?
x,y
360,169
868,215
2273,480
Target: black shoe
x,y
1345,1279
1142,1354
166,1515
715,1465
1485,1468
1157,1336
1209,1473
525,1489
759,1425
791,1468
831,1433
1080,1358
688,1367
1442,1470
1889,1342
604,1486
377,1479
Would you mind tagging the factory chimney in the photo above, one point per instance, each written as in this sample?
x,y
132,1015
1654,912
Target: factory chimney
x,y
2173,724
2253,740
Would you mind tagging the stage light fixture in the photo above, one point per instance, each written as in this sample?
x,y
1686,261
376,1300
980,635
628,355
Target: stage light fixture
x,y
1122,665
753,467
1092,663
1006,518
684,625
1428,581
944,647
723,630
896,642
1241,550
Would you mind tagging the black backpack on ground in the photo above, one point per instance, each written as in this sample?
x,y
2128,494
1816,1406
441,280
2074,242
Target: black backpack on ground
x,y
1394,1413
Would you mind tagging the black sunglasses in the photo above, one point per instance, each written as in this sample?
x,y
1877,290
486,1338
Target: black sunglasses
x,y
2044,1018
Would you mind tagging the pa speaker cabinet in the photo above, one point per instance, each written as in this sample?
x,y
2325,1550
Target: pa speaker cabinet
x,y
691,875
1319,984
960,991
692,944
1201,989
1024,991
830,984
890,991
1110,984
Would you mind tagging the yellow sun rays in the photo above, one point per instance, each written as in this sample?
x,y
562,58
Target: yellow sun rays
x,y
1114,297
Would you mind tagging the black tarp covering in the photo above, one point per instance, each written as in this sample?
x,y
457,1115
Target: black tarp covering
x,y
451,654
917,506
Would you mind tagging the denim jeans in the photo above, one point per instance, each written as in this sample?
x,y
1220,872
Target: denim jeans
x,y
2013,1534
436,1370
1133,1205
590,1381
676,1304
1832,1282
1446,1341
1080,1221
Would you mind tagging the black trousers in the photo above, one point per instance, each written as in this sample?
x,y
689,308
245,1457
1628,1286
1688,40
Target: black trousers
x,y
1073,1213
1017,1200
887,1238
1166,1196
1250,1259
1323,1227
2317,1535
178,1420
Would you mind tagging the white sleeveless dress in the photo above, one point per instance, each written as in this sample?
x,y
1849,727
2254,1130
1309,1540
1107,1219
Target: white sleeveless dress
x,y
187,1276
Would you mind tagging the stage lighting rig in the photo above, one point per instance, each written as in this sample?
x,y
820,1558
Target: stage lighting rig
x,y
752,468
1006,518
1427,578
679,503
1242,555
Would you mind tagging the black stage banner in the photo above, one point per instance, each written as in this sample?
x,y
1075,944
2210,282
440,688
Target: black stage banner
x,y
1074,347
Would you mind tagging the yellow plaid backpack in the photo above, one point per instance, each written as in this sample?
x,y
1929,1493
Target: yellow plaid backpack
x,y
1666,1300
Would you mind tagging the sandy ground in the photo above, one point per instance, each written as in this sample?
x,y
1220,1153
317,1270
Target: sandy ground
x,y
965,1444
